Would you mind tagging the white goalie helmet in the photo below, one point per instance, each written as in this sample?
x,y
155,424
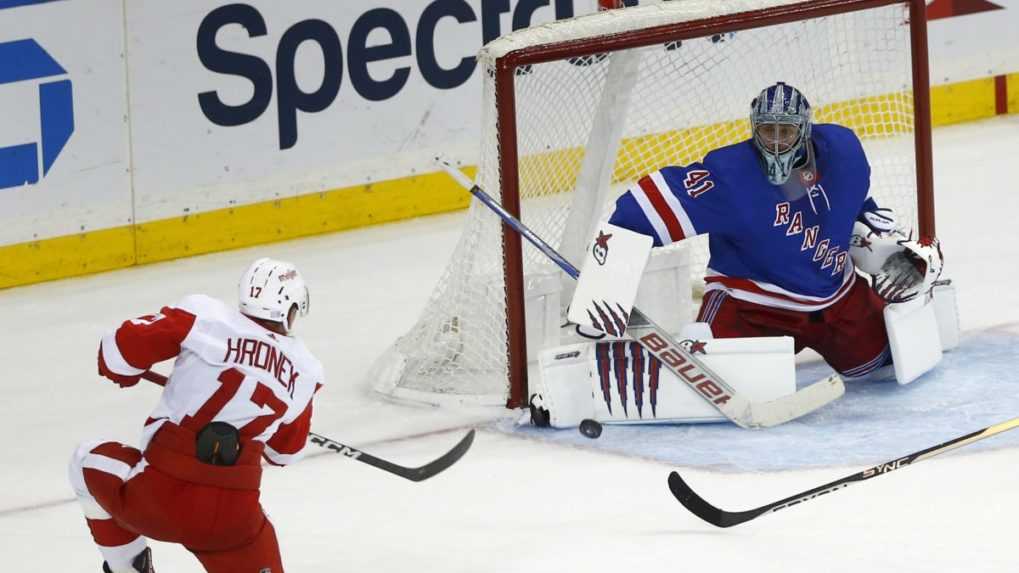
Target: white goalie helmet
x,y
780,120
270,288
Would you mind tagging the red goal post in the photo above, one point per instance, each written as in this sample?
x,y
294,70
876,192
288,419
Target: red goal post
x,y
864,41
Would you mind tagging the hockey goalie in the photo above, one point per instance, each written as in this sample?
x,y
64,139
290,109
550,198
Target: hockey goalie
x,y
801,256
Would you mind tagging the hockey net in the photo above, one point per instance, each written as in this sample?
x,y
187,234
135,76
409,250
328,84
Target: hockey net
x,y
575,110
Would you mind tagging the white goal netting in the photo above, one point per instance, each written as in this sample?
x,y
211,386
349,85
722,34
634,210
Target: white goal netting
x,y
586,126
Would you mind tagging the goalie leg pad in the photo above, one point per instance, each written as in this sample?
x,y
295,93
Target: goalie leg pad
x,y
621,382
947,313
565,386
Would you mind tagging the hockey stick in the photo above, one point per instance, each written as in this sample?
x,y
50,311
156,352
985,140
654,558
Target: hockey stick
x,y
664,346
721,518
413,474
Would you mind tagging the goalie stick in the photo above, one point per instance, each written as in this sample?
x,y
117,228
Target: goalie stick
x,y
722,518
413,474
664,346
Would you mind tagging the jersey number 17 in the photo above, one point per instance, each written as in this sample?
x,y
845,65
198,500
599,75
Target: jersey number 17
x,y
230,382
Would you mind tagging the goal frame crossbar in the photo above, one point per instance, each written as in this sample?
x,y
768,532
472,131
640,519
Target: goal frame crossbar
x,y
505,69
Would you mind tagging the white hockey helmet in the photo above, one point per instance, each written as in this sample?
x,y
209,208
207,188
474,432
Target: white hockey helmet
x,y
270,288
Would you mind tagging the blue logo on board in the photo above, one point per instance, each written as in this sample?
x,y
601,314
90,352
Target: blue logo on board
x,y
22,61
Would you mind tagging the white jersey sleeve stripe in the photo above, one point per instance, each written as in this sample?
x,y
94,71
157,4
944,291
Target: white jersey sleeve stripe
x,y
674,205
664,237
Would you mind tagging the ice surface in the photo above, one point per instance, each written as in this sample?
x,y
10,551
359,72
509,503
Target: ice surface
x,y
975,386
530,502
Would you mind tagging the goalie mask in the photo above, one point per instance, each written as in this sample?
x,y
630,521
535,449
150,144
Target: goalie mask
x,y
269,289
780,121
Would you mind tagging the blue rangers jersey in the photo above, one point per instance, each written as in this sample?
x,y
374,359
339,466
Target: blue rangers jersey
x,y
764,247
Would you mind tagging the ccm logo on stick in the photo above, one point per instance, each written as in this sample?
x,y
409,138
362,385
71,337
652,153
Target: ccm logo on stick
x,y
336,447
687,370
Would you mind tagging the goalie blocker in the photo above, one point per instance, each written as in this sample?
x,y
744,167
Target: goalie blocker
x,y
609,280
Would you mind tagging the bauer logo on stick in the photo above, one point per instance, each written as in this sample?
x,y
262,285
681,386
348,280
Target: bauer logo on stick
x,y
600,250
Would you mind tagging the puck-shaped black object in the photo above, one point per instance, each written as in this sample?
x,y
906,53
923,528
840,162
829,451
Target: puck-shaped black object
x,y
218,444
590,428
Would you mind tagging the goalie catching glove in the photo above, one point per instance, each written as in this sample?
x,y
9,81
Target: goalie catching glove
x,y
900,268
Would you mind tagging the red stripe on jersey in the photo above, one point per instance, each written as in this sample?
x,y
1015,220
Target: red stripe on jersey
x,y
750,286
664,211
290,438
148,340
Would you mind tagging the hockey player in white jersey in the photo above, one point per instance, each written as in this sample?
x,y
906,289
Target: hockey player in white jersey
x,y
241,390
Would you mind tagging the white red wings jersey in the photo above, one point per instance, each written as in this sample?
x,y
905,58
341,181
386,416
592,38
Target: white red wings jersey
x,y
228,369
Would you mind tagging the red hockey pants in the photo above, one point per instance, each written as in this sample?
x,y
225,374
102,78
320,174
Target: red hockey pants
x,y
850,334
168,495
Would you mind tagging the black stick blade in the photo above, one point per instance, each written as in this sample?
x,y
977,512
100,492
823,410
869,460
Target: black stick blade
x,y
449,458
413,474
721,518
702,509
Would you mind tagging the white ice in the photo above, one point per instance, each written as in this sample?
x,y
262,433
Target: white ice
x,y
520,501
